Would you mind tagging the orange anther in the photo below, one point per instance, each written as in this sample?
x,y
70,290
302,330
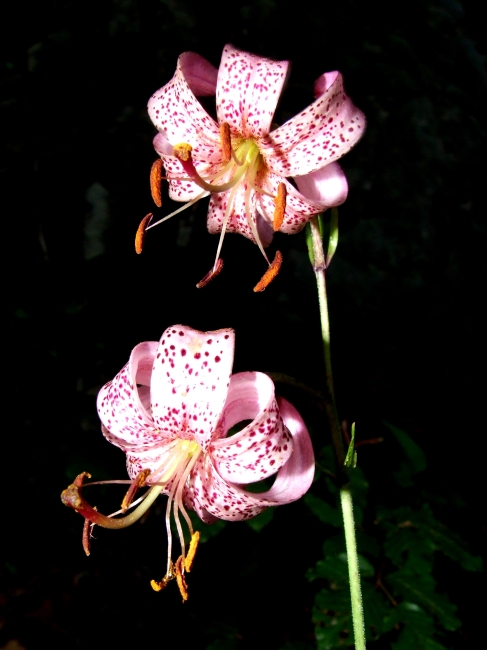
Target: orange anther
x,y
270,274
211,274
182,151
183,587
280,208
193,545
137,483
140,235
155,182
225,141
159,586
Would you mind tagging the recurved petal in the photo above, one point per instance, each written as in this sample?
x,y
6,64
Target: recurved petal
x,y
211,494
178,115
201,76
122,405
295,478
322,84
260,448
327,186
190,379
319,135
248,90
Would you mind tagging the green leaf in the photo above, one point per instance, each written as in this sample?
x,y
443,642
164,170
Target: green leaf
x,y
332,614
334,569
420,589
351,457
333,236
418,628
416,459
321,509
418,532
333,619
446,540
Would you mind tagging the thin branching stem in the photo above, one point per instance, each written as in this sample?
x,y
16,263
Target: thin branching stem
x,y
319,267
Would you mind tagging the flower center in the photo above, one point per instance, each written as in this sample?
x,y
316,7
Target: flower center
x,y
241,165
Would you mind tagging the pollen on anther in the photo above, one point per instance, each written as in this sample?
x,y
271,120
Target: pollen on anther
x,y
280,208
193,545
159,586
155,182
180,579
270,274
140,234
225,141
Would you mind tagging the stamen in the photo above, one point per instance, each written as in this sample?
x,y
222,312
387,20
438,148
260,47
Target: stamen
x,y
137,483
225,141
183,587
270,274
140,234
212,273
280,208
155,182
193,545
184,207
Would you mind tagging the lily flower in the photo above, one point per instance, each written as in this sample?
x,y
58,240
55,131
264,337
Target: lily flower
x,y
238,160
170,409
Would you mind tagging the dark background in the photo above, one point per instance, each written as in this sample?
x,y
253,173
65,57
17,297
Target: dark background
x,y
406,294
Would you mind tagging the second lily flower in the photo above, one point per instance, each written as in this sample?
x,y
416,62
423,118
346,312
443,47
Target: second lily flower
x,y
170,409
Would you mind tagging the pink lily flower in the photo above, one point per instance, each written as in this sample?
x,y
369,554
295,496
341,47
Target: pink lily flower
x,y
238,160
170,409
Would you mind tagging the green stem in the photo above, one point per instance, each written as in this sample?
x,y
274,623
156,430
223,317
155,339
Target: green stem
x,y
353,570
331,410
319,267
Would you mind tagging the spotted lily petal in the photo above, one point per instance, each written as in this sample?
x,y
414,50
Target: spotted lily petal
x,y
322,133
122,405
264,445
213,497
179,116
248,90
189,382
